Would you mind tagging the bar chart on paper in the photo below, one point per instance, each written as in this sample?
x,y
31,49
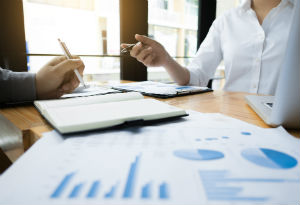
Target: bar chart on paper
x,y
70,188
157,166
219,185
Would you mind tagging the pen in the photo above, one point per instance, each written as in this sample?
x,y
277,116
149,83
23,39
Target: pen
x,y
69,56
128,48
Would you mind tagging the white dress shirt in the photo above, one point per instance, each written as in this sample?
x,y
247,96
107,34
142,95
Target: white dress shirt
x,y
252,53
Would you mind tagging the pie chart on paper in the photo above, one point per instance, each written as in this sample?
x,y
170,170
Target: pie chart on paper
x,y
198,154
269,158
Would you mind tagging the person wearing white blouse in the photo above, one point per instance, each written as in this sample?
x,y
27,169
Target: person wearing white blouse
x,y
251,40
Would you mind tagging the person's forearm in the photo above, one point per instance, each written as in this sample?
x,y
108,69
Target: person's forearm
x,y
178,73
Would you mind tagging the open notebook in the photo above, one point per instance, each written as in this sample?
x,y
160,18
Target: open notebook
x,y
103,111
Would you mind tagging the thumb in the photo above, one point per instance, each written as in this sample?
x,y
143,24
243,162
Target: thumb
x,y
144,39
67,65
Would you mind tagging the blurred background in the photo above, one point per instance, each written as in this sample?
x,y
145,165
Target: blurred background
x,y
91,28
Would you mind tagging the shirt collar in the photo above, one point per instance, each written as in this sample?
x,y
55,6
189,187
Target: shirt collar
x,y
246,4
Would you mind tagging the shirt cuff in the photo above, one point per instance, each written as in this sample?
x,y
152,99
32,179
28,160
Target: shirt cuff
x,y
197,77
24,87
17,86
194,80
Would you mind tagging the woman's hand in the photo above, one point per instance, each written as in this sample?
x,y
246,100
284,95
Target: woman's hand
x,y
149,52
57,77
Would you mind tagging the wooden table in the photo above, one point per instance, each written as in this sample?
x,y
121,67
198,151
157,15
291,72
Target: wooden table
x,y
232,104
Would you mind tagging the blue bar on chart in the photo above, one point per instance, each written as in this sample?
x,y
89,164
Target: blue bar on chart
x,y
217,186
63,184
164,191
129,187
146,191
111,192
211,138
94,189
76,191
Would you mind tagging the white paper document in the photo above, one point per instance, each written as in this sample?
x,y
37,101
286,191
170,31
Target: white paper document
x,y
89,91
159,89
202,159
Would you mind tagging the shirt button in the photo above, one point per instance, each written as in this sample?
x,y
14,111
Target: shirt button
x,y
257,60
254,86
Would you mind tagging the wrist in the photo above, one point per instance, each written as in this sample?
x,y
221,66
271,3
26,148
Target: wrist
x,y
167,60
40,87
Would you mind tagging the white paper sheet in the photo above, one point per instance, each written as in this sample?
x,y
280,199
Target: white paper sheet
x,y
89,91
157,88
203,159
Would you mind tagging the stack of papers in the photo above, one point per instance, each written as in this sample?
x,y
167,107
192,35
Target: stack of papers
x,y
155,89
90,90
200,159
160,90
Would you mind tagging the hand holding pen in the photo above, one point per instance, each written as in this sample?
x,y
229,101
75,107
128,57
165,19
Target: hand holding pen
x,y
147,51
127,48
57,77
69,56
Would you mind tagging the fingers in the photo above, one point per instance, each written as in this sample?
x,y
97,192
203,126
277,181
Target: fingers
x,y
144,54
81,67
135,51
69,86
144,39
56,60
80,70
66,70
75,57
60,59
148,60
70,83
125,45
67,65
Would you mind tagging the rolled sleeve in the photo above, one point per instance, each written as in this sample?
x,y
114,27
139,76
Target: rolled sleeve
x,y
17,86
197,77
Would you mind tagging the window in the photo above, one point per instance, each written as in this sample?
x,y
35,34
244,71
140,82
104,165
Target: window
x,y
173,23
163,4
90,28
191,7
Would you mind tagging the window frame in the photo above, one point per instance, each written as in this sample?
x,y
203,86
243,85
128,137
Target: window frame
x,y
13,53
12,41
131,23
